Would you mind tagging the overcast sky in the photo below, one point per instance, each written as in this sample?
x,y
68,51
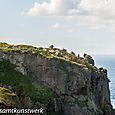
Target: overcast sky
x,y
78,25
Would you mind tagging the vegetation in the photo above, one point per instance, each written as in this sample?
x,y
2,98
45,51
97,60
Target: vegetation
x,y
49,53
22,84
25,87
6,97
81,103
51,46
72,53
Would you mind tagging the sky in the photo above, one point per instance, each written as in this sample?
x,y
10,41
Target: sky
x,y
82,26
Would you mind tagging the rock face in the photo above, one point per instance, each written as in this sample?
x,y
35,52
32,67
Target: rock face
x,y
80,89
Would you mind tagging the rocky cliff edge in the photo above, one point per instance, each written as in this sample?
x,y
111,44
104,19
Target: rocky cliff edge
x,y
73,84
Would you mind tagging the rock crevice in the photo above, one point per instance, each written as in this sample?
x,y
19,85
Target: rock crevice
x,y
81,89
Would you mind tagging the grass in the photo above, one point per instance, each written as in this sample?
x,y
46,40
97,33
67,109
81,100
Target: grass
x,y
23,85
7,97
45,53
43,94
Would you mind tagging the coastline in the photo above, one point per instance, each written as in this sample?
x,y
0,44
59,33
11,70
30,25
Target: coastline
x,y
106,61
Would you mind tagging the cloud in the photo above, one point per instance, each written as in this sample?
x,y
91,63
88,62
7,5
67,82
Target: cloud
x,y
94,11
39,9
56,26
70,30
102,9
54,7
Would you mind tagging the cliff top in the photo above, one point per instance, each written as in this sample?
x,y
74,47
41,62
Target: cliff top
x,y
51,52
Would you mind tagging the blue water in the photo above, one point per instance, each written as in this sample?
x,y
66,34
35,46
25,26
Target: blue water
x,y
108,62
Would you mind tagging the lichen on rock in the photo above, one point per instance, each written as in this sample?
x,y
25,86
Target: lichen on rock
x,y
8,98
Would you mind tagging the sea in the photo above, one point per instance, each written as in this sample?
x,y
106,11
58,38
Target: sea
x,y
108,62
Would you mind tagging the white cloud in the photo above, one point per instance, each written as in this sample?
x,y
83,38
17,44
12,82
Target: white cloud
x,y
56,26
94,11
39,9
102,9
70,30
97,26
54,7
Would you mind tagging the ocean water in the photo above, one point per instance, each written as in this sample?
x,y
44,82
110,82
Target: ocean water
x,y
108,62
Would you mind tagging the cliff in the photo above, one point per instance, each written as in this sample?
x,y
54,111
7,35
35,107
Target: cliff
x,y
52,78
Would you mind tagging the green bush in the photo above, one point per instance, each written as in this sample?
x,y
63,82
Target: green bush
x,y
22,84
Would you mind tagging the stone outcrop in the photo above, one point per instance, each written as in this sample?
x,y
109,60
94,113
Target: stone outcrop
x,y
8,99
89,59
80,88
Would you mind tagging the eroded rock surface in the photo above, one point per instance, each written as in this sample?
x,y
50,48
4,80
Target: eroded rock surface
x,y
80,88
